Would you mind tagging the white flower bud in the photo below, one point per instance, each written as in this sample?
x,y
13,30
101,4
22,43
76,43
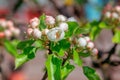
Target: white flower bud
x,y
108,14
87,39
29,31
34,22
10,24
115,15
82,42
3,23
61,18
117,8
16,32
90,45
8,33
45,31
63,26
72,19
94,51
55,34
37,33
50,20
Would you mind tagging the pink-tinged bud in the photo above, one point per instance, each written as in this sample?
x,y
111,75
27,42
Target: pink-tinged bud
x,y
29,31
82,42
94,51
87,39
50,20
34,22
45,31
37,33
3,23
90,45
10,24
115,15
8,33
117,8
108,14
16,32
61,18
2,35
63,26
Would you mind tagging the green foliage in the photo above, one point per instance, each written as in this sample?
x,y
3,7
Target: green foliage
x,y
76,58
23,44
116,37
90,73
10,48
53,65
42,22
66,70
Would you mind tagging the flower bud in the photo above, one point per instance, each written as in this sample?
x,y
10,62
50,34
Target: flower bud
x,y
82,42
108,14
55,34
8,33
94,51
2,35
87,39
61,18
37,33
63,26
90,45
115,15
72,19
29,31
10,24
16,32
34,22
117,8
3,23
50,20
45,31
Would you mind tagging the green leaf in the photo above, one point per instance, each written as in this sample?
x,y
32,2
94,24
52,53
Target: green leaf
x,y
63,44
103,25
10,48
90,73
53,65
76,58
116,37
61,53
71,27
80,30
66,70
24,44
39,44
28,54
94,32
42,22
84,54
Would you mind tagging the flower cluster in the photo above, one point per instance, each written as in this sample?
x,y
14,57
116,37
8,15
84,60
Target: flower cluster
x,y
7,29
55,28
86,44
113,13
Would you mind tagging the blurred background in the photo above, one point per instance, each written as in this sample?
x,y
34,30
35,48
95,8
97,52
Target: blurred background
x,y
21,11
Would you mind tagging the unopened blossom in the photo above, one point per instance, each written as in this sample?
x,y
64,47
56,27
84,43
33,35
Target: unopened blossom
x,y
34,22
61,18
16,32
117,8
3,23
87,39
63,26
90,45
108,14
37,33
8,33
50,20
10,24
72,19
45,31
55,34
115,15
82,42
94,51
29,31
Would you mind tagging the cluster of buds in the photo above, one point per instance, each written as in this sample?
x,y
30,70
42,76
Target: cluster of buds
x,y
86,44
7,29
55,28
113,13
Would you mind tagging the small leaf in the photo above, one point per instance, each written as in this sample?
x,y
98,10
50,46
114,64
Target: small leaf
x,y
24,44
103,25
84,54
10,48
53,65
66,70
76,58
90,73
42,22
80,30
61,53
116,37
